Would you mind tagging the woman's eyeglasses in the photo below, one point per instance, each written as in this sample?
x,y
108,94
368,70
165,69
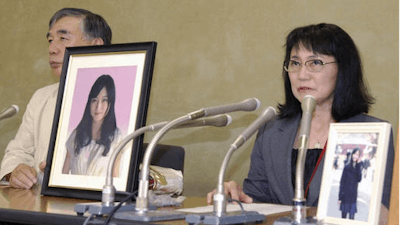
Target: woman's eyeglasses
x,y
314,65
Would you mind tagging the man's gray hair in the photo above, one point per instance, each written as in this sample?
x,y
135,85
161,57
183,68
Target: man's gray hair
x,y
94,26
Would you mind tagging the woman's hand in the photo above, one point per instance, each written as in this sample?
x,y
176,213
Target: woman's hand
x,y
232,190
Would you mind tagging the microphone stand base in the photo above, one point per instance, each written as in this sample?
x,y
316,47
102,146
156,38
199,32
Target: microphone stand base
x,y
97,208
290,221
237,217
151,215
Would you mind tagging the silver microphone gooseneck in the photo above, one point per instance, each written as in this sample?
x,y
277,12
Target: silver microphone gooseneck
x,y
308,106
220,216
220,197
142,201
108,193
299,212
141,210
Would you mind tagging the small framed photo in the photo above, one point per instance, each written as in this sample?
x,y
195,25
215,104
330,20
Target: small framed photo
x,y
103,96
352,181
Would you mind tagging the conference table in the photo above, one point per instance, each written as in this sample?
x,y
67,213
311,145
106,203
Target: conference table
x,y
19,206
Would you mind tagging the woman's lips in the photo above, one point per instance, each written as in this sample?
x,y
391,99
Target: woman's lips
x,y
300,89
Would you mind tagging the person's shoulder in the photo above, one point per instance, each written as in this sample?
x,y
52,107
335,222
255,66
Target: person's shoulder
x,y
279,123
46,92
363,118
49,89
287,122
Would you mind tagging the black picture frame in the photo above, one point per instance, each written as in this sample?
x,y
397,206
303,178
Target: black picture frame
x,y
136,62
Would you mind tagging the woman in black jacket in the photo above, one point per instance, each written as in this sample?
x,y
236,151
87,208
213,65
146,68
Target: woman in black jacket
x,y
351,176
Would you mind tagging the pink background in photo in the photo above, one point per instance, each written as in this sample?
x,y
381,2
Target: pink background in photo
x,y
124,79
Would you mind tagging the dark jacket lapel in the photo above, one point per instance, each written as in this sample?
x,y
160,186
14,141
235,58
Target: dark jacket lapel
x,y
283,140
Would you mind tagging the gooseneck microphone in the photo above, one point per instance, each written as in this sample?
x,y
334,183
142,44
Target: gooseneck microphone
x,y
308,106
250,104
141,210
299,212
142,204
220,198
216,121
265,116
108,193
220,215
9,112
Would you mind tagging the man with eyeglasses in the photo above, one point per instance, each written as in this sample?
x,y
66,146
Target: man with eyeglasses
x,y
25,156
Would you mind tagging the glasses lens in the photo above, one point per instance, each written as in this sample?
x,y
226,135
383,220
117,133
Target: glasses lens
x,y
292,66
315,65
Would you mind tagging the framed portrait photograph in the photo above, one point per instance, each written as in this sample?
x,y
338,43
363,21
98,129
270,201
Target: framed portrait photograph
x,y
353,175
103,96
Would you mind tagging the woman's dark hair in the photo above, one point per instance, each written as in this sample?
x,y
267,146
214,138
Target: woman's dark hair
x,y
94,26
84,128
356,149
351,95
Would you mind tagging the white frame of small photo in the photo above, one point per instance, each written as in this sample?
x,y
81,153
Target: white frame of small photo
x,y
373,139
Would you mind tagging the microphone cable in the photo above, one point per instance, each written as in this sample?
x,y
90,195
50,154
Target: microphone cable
x,y
238,202
131,195
115,209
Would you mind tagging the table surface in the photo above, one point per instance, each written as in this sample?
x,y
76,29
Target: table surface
x,y
22,206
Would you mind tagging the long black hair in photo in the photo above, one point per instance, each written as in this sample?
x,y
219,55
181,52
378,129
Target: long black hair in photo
x,y
84,128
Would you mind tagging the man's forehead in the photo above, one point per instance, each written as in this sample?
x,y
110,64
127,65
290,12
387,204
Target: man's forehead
x,y
58,32
65,25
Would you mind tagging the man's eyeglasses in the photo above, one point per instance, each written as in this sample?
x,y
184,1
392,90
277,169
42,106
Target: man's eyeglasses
x,y
314,65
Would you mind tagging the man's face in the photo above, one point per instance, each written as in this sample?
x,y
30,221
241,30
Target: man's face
x,y
66,32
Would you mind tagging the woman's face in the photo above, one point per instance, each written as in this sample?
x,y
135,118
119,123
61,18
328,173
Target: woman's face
x,y
99,106
356,155
320,84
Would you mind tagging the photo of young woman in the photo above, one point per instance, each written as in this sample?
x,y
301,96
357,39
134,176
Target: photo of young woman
x,y
91,143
